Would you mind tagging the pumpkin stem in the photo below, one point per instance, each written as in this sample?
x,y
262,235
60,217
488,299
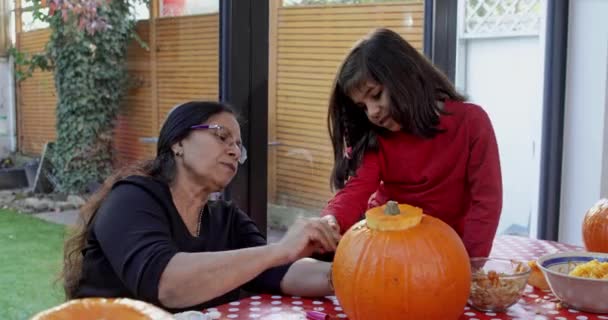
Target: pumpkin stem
x,y
392,208
393,217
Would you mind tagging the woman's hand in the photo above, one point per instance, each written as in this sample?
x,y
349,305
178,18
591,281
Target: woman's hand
x,y
306,236
333,223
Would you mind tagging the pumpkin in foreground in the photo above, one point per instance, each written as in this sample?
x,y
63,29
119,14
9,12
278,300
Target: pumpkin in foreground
x,y
104,309
399,263
595,227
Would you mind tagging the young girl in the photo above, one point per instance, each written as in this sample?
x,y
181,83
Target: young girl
x,y
401,132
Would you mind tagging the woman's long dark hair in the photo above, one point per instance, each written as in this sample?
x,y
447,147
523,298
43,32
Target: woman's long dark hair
x,y
414,84
176,128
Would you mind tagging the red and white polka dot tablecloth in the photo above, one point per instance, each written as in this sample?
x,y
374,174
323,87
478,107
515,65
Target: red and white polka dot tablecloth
x,y
535,304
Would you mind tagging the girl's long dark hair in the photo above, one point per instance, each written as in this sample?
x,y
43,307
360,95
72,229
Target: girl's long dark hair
x,y
414,83
176,128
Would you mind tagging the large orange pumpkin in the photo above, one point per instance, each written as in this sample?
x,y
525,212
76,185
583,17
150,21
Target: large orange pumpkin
x,y
106,309
399,263
595,227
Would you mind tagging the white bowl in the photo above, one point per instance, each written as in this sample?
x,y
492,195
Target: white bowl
x,y
585,294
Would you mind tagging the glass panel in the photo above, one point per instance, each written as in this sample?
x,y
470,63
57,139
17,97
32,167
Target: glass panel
x,y
178,62
308,40
181,65
500,67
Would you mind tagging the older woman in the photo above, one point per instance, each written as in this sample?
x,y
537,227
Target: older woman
x,y
151,234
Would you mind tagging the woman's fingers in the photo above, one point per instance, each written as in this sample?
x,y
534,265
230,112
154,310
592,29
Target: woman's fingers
x,y
333,223
327,236
309,235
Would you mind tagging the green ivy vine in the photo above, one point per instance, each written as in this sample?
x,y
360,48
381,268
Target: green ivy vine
x,y
87,53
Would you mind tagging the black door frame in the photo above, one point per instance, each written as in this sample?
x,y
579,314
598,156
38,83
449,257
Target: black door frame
x,y
244,85
554,106
440,34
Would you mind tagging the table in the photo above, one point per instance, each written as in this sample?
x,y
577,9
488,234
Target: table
x,y
535,304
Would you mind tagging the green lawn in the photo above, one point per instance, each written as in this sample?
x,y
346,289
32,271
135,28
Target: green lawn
x,y
31,254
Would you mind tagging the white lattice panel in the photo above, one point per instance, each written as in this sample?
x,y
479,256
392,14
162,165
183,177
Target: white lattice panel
x,y
492,18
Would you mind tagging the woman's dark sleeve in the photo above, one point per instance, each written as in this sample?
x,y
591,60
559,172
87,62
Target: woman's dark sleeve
x,y
133,232
249,235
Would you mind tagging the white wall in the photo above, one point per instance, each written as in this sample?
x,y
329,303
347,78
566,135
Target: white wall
x,y
8,138
505,77
586,118
7,109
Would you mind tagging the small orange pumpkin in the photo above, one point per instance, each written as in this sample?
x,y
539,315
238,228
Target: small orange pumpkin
x,y
106,309
537,278
595,227
399,263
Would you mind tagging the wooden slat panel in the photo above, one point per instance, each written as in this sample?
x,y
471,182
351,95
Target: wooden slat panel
x,y
295,191
320,142
188,62
322,83
306,176
344,36
347,27
292,193
134,121
295,187
312,104
338,15
316,121
178,49
188,22
321,168
320,97
321,56
185,34
301,47
306,151
37,100
167,73
33,41
371,9
310,156
313,157
294,129
305,88
167,64
315,45
305,113
296,200
311,44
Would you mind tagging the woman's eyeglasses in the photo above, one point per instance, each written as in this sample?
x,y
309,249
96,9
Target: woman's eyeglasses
x,y
225,137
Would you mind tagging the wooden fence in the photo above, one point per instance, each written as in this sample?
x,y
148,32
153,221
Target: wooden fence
x,y
307,45
181,65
